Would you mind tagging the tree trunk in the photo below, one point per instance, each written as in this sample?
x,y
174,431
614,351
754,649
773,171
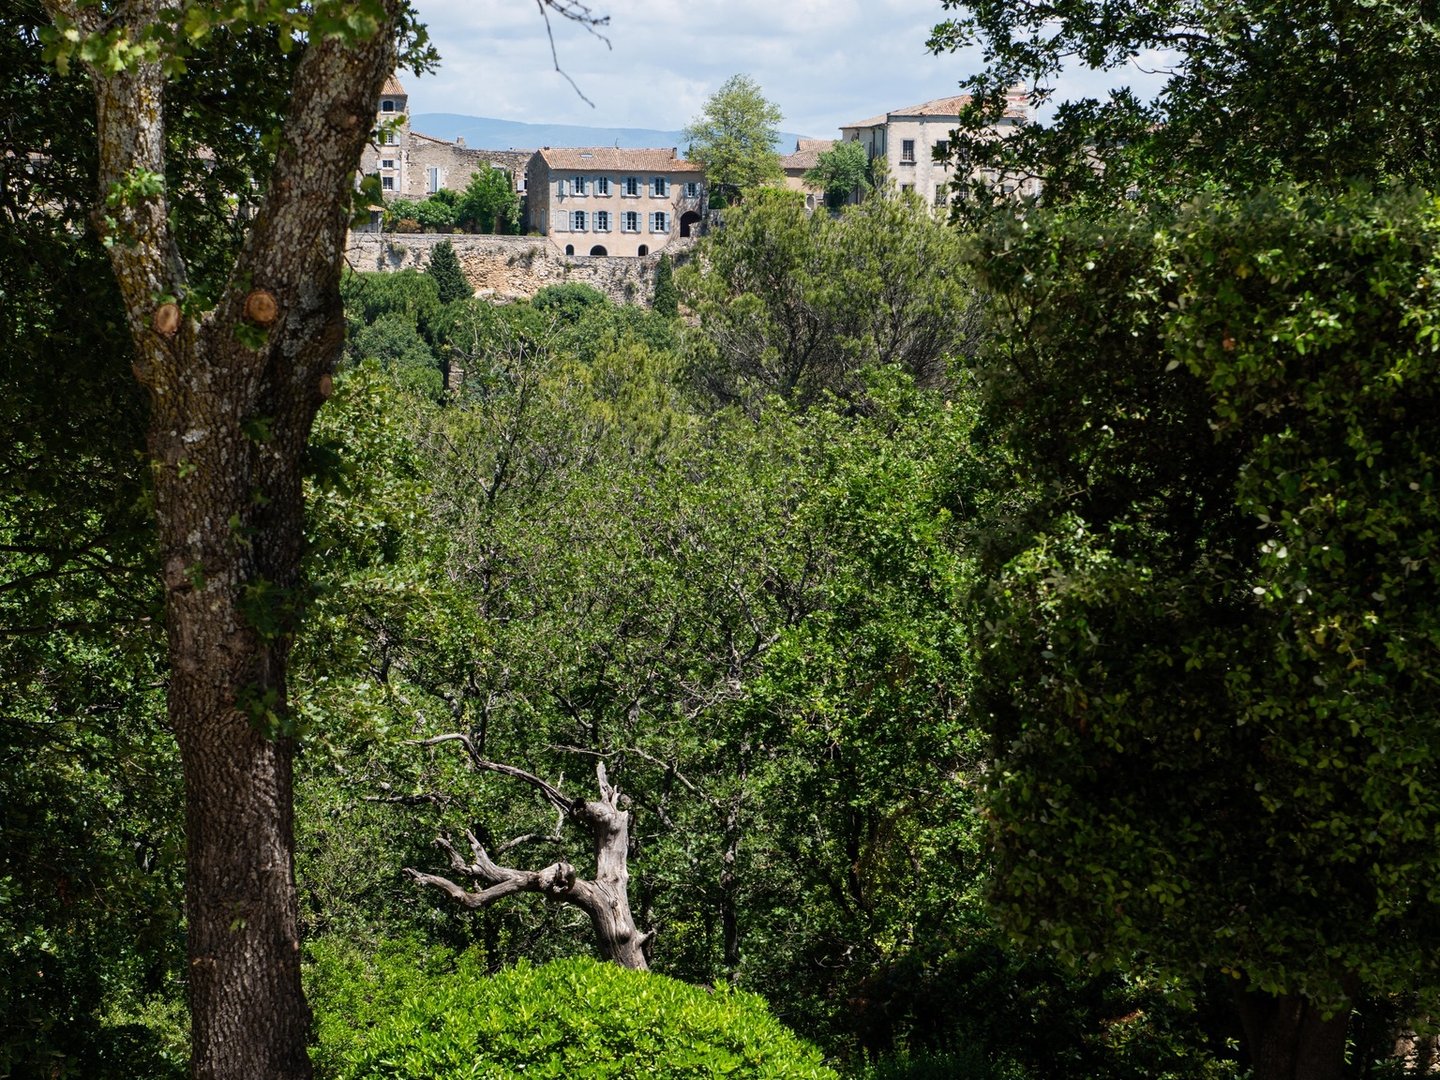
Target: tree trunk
x,y
608,902
1289,1038
233,392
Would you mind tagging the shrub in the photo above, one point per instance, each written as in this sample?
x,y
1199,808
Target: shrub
x,y
578,1019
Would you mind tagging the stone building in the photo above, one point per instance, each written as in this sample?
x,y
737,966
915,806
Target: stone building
x,y
805,157
907,141
605,200
412,165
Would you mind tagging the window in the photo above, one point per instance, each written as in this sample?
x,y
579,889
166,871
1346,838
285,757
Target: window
x,y
387,162
387,183
940,192
602,220
387,105
942,148
569,249
631,221
561,187
644,249
580,184
692,189
659,187
432,180
577,221
602,185
907,188
632,186
660,222
907,151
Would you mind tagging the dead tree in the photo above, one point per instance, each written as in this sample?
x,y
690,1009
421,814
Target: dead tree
x,y
606,899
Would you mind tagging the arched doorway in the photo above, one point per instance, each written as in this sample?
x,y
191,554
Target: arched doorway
x,y
644,249
569,249
688,221
599,249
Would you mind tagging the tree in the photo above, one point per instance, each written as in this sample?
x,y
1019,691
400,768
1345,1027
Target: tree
x,y
1324,92
449,278
667,299
605,899
234,379
734,137
843,171
489,203
1200,657
797,304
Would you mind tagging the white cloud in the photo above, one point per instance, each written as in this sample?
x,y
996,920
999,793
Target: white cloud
x,y
824,62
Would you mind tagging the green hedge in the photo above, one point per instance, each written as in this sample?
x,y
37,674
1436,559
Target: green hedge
x,y
578,1019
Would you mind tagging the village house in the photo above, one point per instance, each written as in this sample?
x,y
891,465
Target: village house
x,y
609,201
907,141
413,166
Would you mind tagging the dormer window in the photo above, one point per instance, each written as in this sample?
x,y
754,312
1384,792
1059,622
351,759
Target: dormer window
x,y
386,105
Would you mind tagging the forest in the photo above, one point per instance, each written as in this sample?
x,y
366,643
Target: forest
x,y
1000,644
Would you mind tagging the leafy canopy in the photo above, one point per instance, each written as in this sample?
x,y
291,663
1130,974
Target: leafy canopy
x,y
842,170
734,136
1257,90
489,203
1208,655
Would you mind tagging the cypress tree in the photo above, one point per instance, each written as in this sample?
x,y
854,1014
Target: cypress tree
x,y
445,269
667,298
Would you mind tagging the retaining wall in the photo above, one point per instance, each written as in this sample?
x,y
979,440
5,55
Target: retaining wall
x,y
513,267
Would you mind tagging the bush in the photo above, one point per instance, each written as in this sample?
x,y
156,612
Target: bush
x,y
575,1018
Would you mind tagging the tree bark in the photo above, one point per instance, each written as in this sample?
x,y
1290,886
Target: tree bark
x,y
605,899
233,392
1289,1037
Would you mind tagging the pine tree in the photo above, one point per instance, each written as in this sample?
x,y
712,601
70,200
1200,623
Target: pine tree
x,y
667,299
449,278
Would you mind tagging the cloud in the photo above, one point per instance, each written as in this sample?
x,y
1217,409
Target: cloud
x,y
824,62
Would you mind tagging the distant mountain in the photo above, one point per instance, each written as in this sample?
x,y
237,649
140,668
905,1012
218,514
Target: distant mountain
x,y
485,133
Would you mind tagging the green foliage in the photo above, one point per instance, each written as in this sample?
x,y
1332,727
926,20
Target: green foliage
x,y
667,298
432,214
1207,652
843,171
1324,92
573,1018
450,283
489,203
734,137
796,304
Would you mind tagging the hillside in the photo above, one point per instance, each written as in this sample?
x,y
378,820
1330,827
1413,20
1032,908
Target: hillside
x,y
487,133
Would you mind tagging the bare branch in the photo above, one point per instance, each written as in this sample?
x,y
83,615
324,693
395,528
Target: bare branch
x,y
555,795
578,13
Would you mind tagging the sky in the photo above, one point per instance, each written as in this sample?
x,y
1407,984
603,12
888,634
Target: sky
x,y
823,62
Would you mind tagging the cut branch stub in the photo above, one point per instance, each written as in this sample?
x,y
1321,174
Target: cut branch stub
x,y
166,320
261,307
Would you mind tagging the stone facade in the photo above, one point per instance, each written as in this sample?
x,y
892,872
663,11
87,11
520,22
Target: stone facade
x,y
412,165
606,201
514,267
907,139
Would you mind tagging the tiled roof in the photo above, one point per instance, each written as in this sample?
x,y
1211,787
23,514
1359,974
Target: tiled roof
x,y
807,154
946,106
392,87
606,158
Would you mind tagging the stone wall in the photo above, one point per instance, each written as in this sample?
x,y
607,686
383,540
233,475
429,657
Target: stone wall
x,y
457,164
513,267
